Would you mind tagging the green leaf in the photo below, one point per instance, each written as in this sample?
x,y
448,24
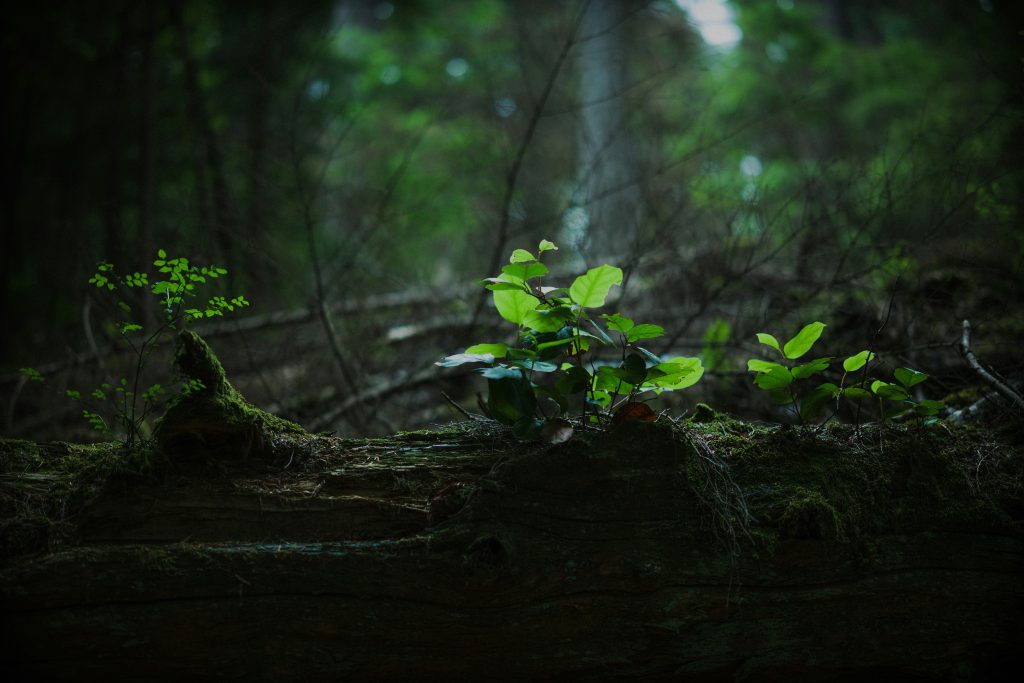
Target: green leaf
x,y
806,370
513,305
510,400
618,322
72,393
32,374
495,350
775,378
535,365
591,289
633,370
502,372
575,380
547,319
521,256
769,340
908,377
856,393
812,404
462,358
546,245
857,361
160,253
803,341
523,271
893,392
757,365
677,373
645,331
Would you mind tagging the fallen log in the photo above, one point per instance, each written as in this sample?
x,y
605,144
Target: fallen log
x,y
708,550
461,553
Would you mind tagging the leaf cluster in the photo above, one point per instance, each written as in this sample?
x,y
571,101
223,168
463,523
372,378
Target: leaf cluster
x,y
562,356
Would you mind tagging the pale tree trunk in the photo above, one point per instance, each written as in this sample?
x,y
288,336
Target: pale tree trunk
x,y
606,155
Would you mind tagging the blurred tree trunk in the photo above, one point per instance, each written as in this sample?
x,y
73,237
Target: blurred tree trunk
x,y
258,128
606,155
113,200
147,147
211,159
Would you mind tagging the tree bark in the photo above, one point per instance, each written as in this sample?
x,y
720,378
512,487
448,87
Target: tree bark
x,y
606,156
462,554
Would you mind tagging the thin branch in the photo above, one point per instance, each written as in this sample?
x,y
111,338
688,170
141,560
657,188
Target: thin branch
x,y
990,377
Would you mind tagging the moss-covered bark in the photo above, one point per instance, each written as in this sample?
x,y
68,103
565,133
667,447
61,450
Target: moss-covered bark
x,y
717,550
215,419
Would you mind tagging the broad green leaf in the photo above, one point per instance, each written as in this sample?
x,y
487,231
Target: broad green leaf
x,y
645,331
524,271
811,405
495,350
513,305
521,256
591,289
856,392
807,369
547,319
502,372
575,380
618,322
908,377
536,365
510,400
546,245
497,285
610,378
757,365
803,341
857,361
462,358
775,378
678,373
893,392
769,340
633,369
160,253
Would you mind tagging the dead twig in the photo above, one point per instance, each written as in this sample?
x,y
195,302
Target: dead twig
x,y
990,377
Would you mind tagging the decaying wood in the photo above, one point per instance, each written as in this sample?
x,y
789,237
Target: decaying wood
x,y
462,554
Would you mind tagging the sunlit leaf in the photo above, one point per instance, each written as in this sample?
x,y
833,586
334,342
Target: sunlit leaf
x,y
495,350
645,331
546,245
857,361
769,340
513,305
521,256
591,289
462,358
803,341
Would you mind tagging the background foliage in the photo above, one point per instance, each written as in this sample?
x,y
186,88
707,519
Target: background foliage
x,y
851,162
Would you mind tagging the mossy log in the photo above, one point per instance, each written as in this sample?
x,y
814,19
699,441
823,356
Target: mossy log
x,y
707,551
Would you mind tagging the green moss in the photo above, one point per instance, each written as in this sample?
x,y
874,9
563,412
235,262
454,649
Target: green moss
x,y
216,420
